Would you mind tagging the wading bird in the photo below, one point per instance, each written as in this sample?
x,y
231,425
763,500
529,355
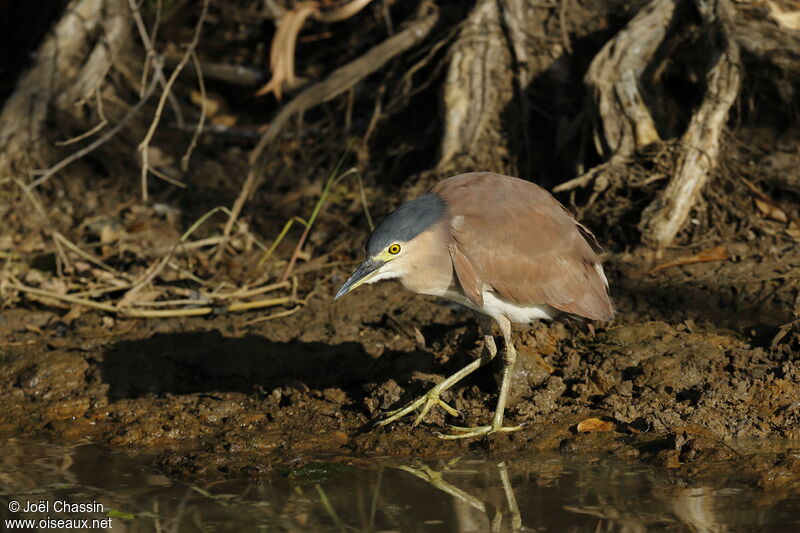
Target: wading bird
x,y
501,246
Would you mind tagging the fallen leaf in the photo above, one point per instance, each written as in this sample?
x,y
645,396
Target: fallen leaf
x,y
109,233
138,295
717,253
211,103
771,210
156,157
73,313
592,425
225,119
55,285
34,329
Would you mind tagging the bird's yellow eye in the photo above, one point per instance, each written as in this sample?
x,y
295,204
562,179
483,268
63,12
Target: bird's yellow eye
x,y
394,249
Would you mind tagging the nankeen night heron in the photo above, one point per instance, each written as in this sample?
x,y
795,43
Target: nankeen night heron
x,y
501,246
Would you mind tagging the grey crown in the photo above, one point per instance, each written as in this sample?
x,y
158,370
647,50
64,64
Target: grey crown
x,y
406,222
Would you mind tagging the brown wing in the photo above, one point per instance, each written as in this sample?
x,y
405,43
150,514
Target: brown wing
x,y
469,280
522,242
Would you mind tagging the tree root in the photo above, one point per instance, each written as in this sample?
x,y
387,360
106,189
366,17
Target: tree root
x,y
764,40
477,86
70,65
613,79
665,217
501,47
628,126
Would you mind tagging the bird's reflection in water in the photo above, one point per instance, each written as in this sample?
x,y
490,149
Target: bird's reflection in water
x,y
540,492
471,511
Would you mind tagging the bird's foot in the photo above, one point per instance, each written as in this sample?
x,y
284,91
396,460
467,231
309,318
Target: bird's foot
x,y
467,433
426,401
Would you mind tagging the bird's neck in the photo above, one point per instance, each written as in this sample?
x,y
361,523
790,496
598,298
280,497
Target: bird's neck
x,y
432,273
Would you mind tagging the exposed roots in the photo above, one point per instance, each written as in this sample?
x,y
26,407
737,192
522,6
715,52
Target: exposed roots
x,y
614,81
628,127
641,94
664,218
478,85
769,42
69,67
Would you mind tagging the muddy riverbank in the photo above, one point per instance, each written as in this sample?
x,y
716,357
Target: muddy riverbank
x,y
689,367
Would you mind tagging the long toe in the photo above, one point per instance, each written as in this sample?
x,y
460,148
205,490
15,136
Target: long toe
x,y
467,433
425,402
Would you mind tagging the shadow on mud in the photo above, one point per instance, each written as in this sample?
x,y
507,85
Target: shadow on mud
x,y
717,302
207,362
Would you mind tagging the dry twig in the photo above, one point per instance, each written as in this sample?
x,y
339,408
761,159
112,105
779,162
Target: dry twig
x,y
167,88
153,56
717,253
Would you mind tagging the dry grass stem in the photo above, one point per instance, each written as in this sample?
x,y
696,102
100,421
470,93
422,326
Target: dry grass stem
x,y
201,122
190,308
143,146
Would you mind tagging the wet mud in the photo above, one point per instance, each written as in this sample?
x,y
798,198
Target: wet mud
x,y
695,366
696,378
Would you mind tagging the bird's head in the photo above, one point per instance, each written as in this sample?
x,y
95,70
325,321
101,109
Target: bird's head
x,y
393,247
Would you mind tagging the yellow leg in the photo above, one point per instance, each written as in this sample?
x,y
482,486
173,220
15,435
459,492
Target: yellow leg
x,y
431,398
509,356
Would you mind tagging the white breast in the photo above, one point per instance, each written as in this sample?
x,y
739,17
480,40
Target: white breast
x,y
495,307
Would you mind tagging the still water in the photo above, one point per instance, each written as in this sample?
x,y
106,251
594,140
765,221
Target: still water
x,y
539,493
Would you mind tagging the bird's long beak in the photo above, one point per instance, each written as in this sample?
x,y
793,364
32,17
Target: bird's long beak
x,y
363,273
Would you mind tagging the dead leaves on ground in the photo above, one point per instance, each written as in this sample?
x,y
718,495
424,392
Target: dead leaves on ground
x,y
771,210
216,107
594,425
